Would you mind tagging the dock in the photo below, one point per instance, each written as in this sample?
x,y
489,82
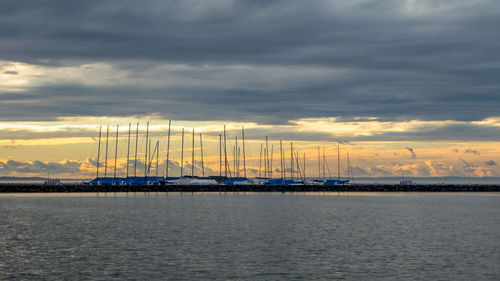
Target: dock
x,y
43,188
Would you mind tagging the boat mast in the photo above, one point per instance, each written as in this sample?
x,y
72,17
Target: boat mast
x,y
146,154
244,156
225,153
106,161
150,157
338,162
291,161
128,146
168,148
304,165
324,163
264,151
237,165
319,163
220,155
284,165
157,155
136,141
182,151
192,156
271,167
266,173
116,150
264,160
98,152
348,167
299,170
260,160
201,151
281,162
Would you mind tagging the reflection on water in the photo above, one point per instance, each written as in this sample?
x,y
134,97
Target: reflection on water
x,y
250,236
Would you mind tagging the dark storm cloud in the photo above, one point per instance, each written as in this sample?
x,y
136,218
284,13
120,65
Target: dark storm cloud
x,y
431,60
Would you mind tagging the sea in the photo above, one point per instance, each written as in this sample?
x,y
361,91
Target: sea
x,y
250,236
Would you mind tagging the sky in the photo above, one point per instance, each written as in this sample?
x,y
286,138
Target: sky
x,y
406,87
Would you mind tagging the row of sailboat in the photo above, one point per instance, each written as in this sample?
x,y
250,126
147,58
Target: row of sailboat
x,y
227,176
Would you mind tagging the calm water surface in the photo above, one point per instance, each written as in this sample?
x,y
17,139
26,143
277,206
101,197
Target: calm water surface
x,y
250,236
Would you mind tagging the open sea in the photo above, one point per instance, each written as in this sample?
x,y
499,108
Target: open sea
x,y
250,236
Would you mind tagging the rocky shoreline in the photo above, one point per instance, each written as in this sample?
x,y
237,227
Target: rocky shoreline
x,y
41,188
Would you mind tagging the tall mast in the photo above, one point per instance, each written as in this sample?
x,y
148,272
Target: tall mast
x,y
128,146
297,160
157,155
226,163
151,154
168,148
150,158
106,161
260,161
236,167
324,162
220,155
116,150
281,161
98,152
284,162
338,162
239,159
271,167
244,156
146,154
319,163
182,151
267,159
225,153
304,165
265,162
192,156
136,141
291,161
201,152
348,167
234,161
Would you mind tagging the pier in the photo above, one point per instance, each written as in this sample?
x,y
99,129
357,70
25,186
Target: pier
x,y
41,188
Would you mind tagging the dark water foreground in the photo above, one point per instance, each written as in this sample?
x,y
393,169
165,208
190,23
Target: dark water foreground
x,y
250,236
19,188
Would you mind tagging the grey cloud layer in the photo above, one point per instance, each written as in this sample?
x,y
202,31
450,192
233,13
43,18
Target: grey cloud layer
x,y
39,167
447,132
430,60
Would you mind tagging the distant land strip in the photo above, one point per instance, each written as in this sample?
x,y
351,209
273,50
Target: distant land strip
x,y
41,188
